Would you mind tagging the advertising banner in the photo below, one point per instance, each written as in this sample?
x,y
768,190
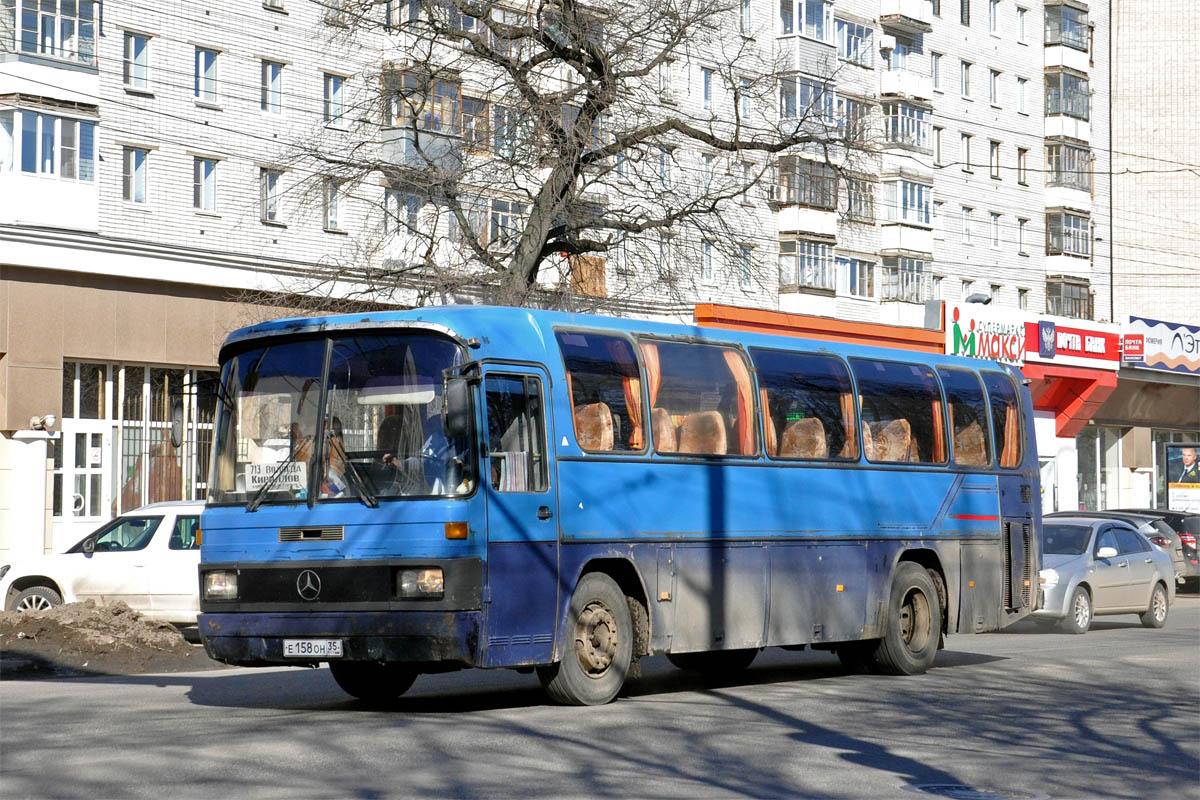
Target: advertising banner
x,y
979,331
1170,346
1183,477
1073,342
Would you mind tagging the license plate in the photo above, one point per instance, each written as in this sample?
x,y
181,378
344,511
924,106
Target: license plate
x,y
312,648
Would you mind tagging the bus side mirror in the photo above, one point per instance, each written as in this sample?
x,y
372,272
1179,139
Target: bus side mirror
x,y
177,422
457,407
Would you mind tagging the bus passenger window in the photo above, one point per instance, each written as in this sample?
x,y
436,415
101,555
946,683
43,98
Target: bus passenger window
x,y
966,405
1006,417
701,399
807,405
605,388
516,433
903,418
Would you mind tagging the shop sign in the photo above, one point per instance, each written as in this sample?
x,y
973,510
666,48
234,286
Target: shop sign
x,y
1133,348
1072,342
1169,346
978,331
1183,477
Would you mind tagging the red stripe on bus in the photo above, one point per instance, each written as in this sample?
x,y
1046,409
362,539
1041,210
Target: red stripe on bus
x,y
988,517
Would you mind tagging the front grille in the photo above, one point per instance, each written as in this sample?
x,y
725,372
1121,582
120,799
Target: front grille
x,y
1027,586
1008,592
329,533
1026,493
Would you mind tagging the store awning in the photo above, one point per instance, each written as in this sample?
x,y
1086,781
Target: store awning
x,y
1074,394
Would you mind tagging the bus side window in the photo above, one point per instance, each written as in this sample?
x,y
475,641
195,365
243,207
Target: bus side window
x,y
807,405
701,399
1006,417
967,405
903,416
605,388
516,433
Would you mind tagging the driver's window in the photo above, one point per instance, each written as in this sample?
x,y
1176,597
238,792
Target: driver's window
x,y
128,534
1107,539
516,433
184,535
1131,542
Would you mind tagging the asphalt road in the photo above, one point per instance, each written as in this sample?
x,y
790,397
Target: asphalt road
x,y
1021,714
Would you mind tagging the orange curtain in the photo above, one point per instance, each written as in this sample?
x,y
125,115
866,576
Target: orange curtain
x,y
745,395
771,444
653,371
632,385
1009,456
939,432
850,448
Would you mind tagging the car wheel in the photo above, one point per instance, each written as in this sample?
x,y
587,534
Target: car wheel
x,y
1156,615
596,659
373,681
1079,612
914,624
36,598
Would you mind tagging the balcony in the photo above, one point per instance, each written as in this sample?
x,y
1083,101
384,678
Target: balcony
x,y
906,16
423,150
904,83
896,237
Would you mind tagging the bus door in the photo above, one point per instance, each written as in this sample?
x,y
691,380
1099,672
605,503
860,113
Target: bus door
x,y
521,594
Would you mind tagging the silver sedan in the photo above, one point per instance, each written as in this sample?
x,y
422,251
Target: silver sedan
x,y
1095,566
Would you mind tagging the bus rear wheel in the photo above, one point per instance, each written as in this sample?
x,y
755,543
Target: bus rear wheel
x,y
597,657
373,681
714,664
914,624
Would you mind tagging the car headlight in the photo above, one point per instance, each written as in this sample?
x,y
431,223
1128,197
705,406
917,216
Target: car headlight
x,y
220,584
1048,577
420,583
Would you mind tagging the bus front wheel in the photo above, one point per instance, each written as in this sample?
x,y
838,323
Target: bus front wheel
x,y
914,623
596,659
373,681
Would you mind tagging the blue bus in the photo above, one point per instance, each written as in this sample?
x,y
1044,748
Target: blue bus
x,y
412,492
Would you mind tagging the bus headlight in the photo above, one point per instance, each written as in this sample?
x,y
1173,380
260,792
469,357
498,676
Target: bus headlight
x,y
220,584
1048,577
420,583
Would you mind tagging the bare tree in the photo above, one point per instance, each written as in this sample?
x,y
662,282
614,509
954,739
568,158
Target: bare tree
x,y
511,151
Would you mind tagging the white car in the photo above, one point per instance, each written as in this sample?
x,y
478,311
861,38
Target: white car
x,y
148,558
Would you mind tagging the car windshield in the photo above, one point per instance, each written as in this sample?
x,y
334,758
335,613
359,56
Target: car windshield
x,y
372,431
1065,540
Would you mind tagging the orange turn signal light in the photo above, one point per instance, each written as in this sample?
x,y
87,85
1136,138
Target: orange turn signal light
x,y
456,530
197,537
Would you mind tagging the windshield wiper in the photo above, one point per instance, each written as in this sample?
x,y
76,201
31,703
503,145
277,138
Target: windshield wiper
x,y
360,485
261,494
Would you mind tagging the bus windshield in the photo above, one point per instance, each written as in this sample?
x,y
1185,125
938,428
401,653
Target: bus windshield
x,y
350,417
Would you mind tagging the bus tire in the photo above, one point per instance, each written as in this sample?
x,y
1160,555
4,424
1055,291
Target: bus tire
x,y
598,653
914,624
373,681
715,663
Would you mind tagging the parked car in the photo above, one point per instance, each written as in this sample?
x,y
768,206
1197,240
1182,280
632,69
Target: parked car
x,y
1150,524
1186,525
1093,566
149,558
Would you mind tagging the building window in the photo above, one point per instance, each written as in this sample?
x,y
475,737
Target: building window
x,y
994,16
331,194
136,69
904,279
133,174
939,220
854,43
205,76
1021,25
965,289
65,30
42,144
937,147
995,230
807,183
666,83
424,103
1022,166
1021,84
937,8
744,97
907,201
746,19
964,78
507,220
1069,165
860,200
806,263
965,148
935,70
1023,299
401,211
1068,297
857,277
1067,93
1068,234
994,87
967,223
706,256
907,125
268,194
854,118
744,265
994,292
811,18
664,168
994,159
1067,25
964,12
204,184
706,76
332,105
803,98
1021,228
271,96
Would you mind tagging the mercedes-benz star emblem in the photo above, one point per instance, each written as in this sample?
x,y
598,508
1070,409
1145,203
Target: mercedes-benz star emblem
x,y
308,585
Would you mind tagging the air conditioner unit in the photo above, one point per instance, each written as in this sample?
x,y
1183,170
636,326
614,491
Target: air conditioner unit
x,y
887,43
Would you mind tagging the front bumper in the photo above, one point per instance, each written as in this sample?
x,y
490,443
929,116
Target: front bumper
x,y
1054,601
256,639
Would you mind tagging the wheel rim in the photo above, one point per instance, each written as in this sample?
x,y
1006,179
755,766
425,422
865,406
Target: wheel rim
x,y
34,602
915,621
596,639
1159,605
1082,613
